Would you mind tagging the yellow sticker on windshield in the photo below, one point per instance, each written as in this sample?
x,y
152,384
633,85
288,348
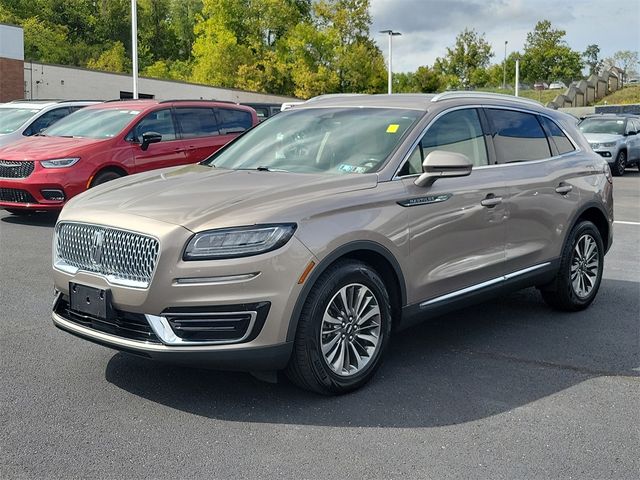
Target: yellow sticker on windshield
x,y
393,128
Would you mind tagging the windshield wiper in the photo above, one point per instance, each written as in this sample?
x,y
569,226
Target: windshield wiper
x,y
269,169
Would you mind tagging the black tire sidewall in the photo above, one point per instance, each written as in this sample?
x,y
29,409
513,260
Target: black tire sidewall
x,y
104,177
621,161
582,228
348,273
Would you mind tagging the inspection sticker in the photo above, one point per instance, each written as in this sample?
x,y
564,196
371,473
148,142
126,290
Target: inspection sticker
x,y
393,128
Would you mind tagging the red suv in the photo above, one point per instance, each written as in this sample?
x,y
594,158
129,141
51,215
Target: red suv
x,y
106,141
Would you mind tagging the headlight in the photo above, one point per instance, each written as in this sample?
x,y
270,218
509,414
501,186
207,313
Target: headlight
x,y
238,242
59,162
608,145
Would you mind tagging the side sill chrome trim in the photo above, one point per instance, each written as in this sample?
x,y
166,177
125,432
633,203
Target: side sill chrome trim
x,y
116,342
482,285
162,329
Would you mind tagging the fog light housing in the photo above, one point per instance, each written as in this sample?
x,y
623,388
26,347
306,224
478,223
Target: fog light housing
x,y
53,194
605,154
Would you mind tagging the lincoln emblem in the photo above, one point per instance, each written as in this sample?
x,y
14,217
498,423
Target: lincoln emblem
x,y
96,247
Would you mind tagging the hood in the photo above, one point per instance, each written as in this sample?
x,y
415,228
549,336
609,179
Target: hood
x,y
602,137
199,198
44,148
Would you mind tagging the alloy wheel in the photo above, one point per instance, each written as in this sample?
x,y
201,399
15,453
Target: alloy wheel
x,y
585,266
350,330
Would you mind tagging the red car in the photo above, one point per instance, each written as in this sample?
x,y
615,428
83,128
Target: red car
x,y
109,140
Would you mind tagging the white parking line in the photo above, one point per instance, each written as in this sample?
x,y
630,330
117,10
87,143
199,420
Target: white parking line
x,y
626,223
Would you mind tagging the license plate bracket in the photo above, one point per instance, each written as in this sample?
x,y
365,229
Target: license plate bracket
x,y
91,301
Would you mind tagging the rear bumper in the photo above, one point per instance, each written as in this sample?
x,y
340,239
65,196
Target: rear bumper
x,y
273,357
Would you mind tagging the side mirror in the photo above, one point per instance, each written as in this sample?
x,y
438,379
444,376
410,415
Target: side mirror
x,y
631,133
440,164
148,138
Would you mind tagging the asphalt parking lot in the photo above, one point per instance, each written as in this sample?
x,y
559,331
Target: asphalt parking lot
x,y
508,390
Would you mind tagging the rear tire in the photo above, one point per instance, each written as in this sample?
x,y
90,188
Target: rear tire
x,y
580,273
104,177
339,347
620,164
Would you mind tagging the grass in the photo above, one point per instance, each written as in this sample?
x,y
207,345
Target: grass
x,y
626,96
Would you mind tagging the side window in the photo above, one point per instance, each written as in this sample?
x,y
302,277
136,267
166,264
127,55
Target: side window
x,y
233,121
458,131
197,122
563,144
631,126
636,126
46,120
159,121
517,136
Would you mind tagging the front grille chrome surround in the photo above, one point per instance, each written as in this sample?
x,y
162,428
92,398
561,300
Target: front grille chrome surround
x,y
16,169
121,256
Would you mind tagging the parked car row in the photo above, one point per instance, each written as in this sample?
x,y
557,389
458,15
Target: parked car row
x,y
55,150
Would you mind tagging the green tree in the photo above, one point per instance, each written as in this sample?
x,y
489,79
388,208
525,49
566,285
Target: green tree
x,y
112,60
627,60
547,57
466,61
592,60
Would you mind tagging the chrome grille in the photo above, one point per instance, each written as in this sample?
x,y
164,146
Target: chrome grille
x,y
11,169
123,257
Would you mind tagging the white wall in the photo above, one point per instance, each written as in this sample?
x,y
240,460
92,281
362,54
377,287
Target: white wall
x,y
11,42
67,83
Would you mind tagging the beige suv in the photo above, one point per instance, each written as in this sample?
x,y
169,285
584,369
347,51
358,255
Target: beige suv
x,y
304,243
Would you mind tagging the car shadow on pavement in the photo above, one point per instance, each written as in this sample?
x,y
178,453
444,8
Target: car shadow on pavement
x,y
461,367
39,219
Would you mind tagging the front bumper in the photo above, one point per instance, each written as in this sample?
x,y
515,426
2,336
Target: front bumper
x,y
36,191
189,288
272,357
608,153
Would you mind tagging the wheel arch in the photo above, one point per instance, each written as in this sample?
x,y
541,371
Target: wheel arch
x,y
119,169
371,253
596,215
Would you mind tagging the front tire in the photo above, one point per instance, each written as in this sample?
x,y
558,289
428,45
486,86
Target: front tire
x,y
580,273
343,330
104,177
620,164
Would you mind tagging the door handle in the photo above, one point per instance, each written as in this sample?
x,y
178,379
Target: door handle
x,y
491,201
564,189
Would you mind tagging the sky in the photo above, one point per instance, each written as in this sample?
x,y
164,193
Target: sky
x,y
428,27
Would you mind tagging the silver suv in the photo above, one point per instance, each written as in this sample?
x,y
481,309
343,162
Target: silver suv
x,y
614,137
24,118
304,243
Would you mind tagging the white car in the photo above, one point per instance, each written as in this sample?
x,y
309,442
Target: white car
x,y
557,86
23,118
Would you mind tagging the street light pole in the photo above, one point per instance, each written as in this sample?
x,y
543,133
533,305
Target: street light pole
x,y
134,46
504,67
391,34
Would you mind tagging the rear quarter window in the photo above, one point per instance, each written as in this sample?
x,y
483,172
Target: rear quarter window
x,y
233,121
563,144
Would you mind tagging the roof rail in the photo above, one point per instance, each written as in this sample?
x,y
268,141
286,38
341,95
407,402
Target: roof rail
x,y
24,100
487,95
128,100
199,100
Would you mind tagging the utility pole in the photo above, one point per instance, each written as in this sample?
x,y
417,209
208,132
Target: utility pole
x,y
391,34
134,46
504,67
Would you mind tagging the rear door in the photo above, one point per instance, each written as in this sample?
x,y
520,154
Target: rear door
x,y
457,225
170,151
199,128
633,139
544,176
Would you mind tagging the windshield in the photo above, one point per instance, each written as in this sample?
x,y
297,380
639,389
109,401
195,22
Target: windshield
x,y
319,140
12,118
603,125
92,123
